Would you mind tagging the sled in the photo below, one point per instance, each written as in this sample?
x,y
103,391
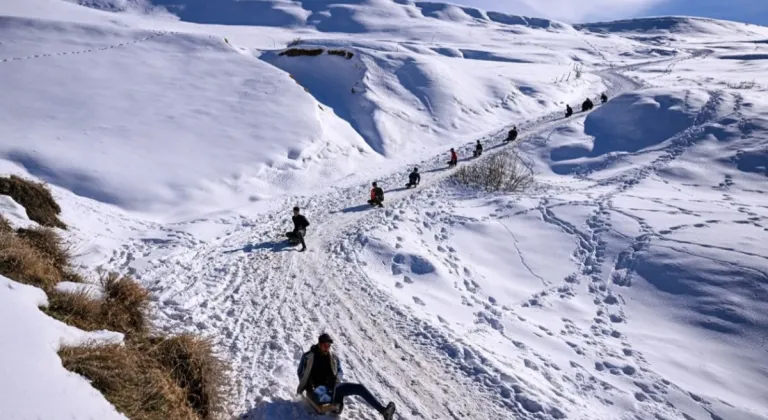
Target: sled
x,y
411,185
323,409
292,239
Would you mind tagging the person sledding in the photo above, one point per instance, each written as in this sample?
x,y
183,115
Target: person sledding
x,y
587,105
478,149
454,158
568,111
377,196
512,135
300,224
413,178
604,98
320,377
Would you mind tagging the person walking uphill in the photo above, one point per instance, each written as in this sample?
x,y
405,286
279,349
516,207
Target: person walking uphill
x,y
377,196
300,224
320,376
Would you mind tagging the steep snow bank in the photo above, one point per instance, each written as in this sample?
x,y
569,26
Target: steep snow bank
x,y
34,384
161,121
407,103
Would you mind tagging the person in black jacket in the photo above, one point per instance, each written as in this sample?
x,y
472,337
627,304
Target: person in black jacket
x,y
604,98
568,111
414,178
512,136
300,224
320,378
478,149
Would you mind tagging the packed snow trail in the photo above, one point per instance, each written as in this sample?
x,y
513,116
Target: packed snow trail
x,y
266,306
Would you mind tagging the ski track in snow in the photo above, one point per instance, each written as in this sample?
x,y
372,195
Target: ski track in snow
x,y
265,303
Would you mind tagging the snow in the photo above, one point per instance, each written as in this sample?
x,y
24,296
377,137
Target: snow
x,y
15,213
628,282
34,384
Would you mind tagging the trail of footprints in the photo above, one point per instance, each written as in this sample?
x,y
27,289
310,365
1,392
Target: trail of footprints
x,y
87,51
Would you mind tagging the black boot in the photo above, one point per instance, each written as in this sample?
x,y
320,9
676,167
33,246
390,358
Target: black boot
x,y
389,412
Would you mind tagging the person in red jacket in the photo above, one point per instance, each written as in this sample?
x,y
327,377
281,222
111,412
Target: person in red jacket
x,y
454,158
377,196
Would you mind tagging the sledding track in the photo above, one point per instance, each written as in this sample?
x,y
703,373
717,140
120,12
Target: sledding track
x,y
265,304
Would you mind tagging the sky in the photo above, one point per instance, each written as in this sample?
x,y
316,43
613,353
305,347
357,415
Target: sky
x,y
750,11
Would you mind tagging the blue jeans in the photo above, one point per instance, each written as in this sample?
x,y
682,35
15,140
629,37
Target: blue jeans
x,y
347,389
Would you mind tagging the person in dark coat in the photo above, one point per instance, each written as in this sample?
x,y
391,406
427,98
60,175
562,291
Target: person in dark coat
x,y
512,135
377,196
413,178
320,376
604,98
478,149
568,111
587,105
300,224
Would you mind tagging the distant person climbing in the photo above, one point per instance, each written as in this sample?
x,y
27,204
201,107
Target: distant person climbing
x,y
604,98
478,149
512,135
454,158
587,105
413,178
568,111
300,224
320,376
377,196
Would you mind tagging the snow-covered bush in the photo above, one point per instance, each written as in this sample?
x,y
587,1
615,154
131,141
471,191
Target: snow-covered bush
x,y
503,171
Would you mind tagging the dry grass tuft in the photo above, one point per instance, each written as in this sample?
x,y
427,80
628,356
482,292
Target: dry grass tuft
x,y
52,246
5,226
79,309
137,385
22,262
194,366
125,306
36,198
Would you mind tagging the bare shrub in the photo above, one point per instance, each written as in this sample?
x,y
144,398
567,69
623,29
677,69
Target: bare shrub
x,y
503,171
342,53
296,52
295,42
36,198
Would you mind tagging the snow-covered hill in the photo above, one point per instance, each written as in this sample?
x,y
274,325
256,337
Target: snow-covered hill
x,y
629,283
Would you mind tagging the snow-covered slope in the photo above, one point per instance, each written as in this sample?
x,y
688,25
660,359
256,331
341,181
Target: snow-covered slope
x,y
629,282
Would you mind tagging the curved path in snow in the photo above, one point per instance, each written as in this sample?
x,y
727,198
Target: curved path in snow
x,y
266,304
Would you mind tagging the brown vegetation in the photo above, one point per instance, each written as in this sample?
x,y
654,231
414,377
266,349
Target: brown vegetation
x,y
36,199
150,376
296,52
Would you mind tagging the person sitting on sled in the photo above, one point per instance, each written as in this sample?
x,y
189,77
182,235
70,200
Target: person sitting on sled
x,y
568,111
478,149
320,376
413,178
512,136
454,158
377,196
300,225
